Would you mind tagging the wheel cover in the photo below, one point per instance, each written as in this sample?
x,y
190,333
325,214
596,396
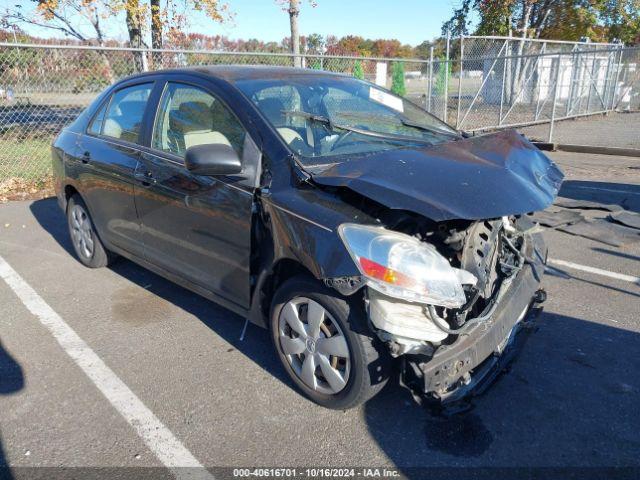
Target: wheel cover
x,y
81,231
314,345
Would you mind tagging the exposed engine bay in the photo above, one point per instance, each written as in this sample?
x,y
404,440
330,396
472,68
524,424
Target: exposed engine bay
x,y
488,250
489,255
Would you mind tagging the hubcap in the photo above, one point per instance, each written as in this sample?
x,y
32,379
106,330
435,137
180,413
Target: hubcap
x,y
81,231
314,345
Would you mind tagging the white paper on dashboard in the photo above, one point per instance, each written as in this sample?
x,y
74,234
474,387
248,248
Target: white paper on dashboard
x,y
385,98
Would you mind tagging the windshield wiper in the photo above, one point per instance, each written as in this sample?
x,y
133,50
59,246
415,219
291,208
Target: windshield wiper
x,y
370,133
436,130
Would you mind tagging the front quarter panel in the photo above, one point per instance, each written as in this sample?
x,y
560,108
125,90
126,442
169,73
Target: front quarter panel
x,y
304,226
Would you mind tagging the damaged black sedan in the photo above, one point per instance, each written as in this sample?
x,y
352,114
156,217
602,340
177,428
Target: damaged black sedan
x,y
356,227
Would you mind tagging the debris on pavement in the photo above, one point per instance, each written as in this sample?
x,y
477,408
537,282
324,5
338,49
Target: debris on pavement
x,y
627,218
586,205
553,219
620,227
603,231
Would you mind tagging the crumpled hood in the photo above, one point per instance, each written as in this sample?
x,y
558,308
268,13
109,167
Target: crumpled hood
x,y
475,178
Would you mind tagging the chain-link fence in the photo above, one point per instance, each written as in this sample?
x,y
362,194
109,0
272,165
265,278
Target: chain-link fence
x,y
507,82
478,84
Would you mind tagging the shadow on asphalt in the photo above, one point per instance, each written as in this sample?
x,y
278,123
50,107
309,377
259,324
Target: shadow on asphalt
x,y
223,322
608,251
624,194
571,397
559,272
11,381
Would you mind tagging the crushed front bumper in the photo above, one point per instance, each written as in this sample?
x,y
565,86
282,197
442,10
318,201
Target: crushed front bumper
x,y
466,367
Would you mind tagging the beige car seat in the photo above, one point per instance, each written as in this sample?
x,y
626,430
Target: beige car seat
x,y
192,124
273,109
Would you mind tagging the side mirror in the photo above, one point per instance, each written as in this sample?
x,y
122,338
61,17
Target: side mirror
x,y
212,159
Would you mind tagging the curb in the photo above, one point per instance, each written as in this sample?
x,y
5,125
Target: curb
x,y
568,147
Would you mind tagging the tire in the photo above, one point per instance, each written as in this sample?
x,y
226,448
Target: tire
x,y
86,243
360,375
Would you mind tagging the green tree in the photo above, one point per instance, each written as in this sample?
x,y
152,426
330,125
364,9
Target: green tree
x,y
599,20
397,79
444,72
358,71
315,43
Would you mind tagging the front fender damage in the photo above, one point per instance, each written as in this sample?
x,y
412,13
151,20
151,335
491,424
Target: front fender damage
x,y
444,364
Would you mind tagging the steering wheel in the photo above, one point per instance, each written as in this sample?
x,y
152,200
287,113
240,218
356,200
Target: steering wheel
x,y
341,139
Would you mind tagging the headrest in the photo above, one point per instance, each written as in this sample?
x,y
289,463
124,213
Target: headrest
x,y
131,107
272,109
191,117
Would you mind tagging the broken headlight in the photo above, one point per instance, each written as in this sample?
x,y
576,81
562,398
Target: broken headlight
x,y
403,267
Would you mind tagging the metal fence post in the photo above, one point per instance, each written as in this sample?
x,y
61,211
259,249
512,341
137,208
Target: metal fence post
x,y
145,61
460,80
556,90
430,81
571,82
616,80
504,79
446,79
607,82
591,83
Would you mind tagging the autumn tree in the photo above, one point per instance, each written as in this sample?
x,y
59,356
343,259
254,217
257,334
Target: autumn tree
x,y
164,23
70,17
82,20
598,20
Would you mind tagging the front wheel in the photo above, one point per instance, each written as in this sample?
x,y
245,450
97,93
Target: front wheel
x,y
325,345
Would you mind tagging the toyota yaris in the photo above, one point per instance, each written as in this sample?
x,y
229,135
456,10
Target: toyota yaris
x,y
363,232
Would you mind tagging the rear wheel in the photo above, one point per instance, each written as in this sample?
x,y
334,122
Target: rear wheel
x,y
325,345
86,243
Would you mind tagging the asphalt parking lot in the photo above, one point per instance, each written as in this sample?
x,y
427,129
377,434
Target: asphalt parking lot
x,y
571,399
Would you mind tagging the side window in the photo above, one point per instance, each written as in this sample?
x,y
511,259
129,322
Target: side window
x,y
123,119
189,116
95,127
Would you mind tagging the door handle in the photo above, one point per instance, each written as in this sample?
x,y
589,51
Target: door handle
x,y
145,178
86,157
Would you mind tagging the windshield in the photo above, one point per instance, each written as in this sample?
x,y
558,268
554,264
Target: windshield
x,y
321,116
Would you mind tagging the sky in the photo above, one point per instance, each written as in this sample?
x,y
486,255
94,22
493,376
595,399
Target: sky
x,y
410,21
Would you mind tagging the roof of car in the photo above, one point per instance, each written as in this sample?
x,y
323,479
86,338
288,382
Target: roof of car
x,y
234,73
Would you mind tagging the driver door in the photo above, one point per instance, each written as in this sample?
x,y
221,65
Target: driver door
x,y
196,227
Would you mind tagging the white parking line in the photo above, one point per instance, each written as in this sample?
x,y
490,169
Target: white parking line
x,y
155,435
597,271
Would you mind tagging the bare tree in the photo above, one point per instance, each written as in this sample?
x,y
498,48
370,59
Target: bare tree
x,y
156,32
292,7
294,11
134,22
69,17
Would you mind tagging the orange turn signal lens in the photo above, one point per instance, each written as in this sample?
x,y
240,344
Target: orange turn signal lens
x,y
380,272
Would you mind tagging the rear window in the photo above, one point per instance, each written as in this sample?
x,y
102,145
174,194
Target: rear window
x,y
123,118
96,124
